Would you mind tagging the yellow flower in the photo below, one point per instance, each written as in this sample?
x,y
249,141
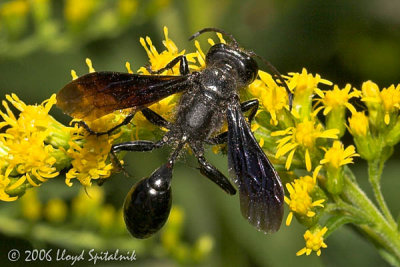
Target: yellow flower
x,y
31,206
55,210
337,98
387,100
337,156
127,8
14,8
309,181
32,118
77,11
30,158
391,101
303,135
299,199
160,60
370,91
106,217
305,82
173,228
314,242
25,152
89,161
86,201
272,96
358,124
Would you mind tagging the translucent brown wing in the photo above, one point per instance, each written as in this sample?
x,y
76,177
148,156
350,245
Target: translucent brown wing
x,y
260,189
96,94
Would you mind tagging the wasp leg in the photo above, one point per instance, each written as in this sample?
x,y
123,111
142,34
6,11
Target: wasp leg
x,y
139,145
87,128
183,67
212,173
155,118
250,105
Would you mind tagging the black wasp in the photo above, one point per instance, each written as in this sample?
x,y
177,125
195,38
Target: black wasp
x,y
210,97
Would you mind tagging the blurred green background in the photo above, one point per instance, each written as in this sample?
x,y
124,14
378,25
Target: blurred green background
x,y
343,41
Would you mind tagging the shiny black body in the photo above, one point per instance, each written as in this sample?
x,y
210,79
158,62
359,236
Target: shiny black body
x,y
209,98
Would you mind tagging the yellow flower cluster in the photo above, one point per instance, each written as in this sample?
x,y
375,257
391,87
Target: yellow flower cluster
x,y
27,156
304,141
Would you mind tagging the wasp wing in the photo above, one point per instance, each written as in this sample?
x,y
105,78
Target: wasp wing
x,y
99,93
260,189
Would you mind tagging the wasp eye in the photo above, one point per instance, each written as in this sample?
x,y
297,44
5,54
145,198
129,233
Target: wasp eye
x,y
148,203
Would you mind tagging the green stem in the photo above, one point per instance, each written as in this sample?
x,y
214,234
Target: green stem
x,y
354,211
377,228
375,168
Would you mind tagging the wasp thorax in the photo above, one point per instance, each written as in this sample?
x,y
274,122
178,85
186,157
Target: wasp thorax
x,y
243,66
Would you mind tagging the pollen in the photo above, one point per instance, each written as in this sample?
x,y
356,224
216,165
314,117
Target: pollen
x,y
314,242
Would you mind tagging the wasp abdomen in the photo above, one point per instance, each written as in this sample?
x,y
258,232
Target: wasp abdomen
x,y
148,203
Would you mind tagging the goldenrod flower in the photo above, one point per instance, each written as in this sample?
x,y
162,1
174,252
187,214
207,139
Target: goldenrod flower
x,y
358,124
86,201
273,97
337,156
160,60
370,92
89,160
387,100
314,242
304,85
128,8
367,145
308,180
31,207
76,11
337,98
55,210
16,8
29,159
302,136
26,155
391,101
299,199
305,81
106,217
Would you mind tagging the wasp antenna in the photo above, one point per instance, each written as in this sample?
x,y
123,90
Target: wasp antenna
x,y
277,74
230,36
